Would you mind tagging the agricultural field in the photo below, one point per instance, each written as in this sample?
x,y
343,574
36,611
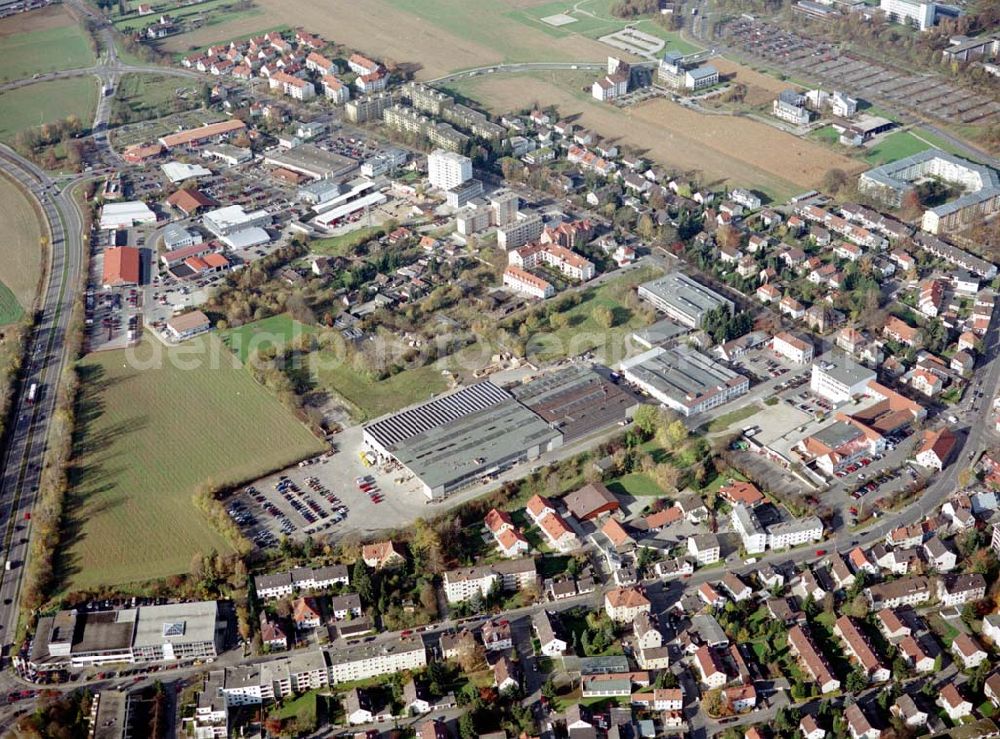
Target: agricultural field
x,y
724,149
21,265
42,41
442,35
139,464
761,88
45,102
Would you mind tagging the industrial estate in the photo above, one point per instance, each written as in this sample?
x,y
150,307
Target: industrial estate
x,y
500,369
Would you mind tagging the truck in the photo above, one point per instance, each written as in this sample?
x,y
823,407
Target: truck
x,y
32,392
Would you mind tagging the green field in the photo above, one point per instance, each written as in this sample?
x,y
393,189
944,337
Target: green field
x,y
44,50
726,420
10,310
155,424
344,244
263,334
373,398
583,333
46,102
827,134
895,146
215,11
21,264
635,484
143,96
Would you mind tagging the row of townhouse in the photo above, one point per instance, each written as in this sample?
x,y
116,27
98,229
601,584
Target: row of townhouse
x,y
858,234
558,257
283,584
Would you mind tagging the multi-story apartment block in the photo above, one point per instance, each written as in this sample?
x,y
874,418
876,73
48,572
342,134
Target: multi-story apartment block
x,y
789,534
510,575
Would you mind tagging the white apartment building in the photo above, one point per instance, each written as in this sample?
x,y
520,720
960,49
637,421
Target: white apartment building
x,y
511,575
525,228
335,90
447,169
789,534
918,14
524,282
704,548
371,660
749,528
565,260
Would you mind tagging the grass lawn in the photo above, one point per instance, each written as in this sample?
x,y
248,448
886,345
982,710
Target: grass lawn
x,y
10,309
263,334
46,102
373,398
827,134
345,243
21,264
583,333
942,628
728,419
291,708
895,146
63,45
152,431
144,96
635,484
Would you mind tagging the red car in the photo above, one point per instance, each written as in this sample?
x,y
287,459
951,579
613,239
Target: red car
x,y
820,552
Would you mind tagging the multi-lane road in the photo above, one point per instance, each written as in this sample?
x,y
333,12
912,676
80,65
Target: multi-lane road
x,y
43,365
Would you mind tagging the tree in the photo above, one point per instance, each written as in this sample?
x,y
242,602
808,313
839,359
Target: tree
x,y
856,681
549,691
603,316
467,726
646,420
834,180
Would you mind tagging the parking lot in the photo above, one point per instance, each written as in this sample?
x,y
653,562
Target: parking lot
x,y
333,496
861,77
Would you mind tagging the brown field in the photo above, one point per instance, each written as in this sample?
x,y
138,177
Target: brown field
x,y
21,263
402,35
761,88
734,150
52,16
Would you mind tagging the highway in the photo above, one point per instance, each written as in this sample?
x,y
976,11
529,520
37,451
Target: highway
x,y
44,362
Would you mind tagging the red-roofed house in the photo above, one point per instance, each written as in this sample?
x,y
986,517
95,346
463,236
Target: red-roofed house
x,y
937,447
121,266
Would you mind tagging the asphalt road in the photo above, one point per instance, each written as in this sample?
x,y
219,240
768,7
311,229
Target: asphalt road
x,y
44,362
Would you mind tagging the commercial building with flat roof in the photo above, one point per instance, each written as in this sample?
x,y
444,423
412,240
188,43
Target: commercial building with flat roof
x,y
456,440
682,299
125,215
684,379
177,631
232,218
838,377
312,161
577,400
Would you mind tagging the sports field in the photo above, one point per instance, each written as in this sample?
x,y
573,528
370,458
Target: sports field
x,y
42,41
21,262
149,438
46,102
895,146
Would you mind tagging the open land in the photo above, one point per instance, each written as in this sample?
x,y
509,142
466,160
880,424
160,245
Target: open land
x,y
133,515
728,149
45,102
372,398
761,88
208,13
21,264
42,41
441,36
146,96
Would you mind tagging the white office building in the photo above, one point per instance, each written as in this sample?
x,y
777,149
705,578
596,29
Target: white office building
x,y
917,14
838,377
